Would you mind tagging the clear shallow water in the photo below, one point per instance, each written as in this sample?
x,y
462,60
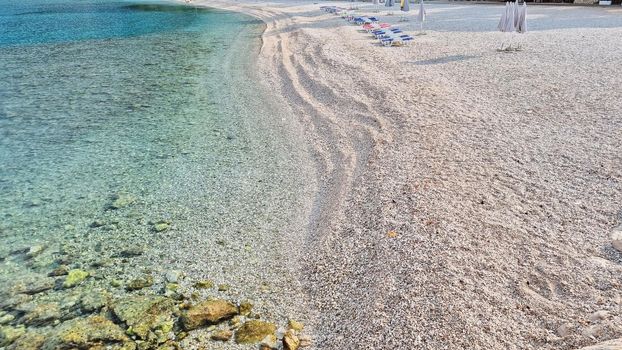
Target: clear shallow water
x,y
156,102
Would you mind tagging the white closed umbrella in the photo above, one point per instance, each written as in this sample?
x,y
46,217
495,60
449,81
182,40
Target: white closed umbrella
x,y
421,15
388,3
509,23
522,19
405,7
504,17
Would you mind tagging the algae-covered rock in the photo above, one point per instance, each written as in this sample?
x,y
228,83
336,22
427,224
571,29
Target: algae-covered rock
x,y
140,283
61,270
40,314
122,200
223,287
75,277
148,317
6,318
254,331
31,340
246,307
204,284
290,341
208,312
34,251
222,335
161,226
295,325
94,300
85,333
9,334
33,285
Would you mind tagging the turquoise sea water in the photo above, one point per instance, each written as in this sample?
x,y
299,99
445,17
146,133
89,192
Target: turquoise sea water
x,y
153,103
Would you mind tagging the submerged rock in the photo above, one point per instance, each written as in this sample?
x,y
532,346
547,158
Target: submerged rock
x,y
245,308
6,318
223,287
62,270
254,331
33,285
122,200
150,318
31,340
208,312
94,300
204,284
161,225
75,277
40,314
140,283
34,251
131,252
9,334
222,335
90,332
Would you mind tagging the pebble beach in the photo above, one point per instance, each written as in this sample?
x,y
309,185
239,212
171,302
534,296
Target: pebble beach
x,y
467,197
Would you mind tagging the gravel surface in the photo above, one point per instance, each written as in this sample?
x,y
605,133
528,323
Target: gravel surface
x,y
465,196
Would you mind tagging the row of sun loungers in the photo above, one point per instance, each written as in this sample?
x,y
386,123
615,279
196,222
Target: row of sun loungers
x,y
385,33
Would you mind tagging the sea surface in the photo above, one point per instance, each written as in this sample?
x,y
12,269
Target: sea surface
x,y
133,142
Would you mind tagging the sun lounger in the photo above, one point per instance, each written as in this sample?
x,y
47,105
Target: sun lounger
x,y
375,26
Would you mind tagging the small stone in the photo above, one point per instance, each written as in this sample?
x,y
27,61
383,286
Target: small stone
x,y
98,223
305,341
269,343
245,308
131,252
599,316
616,238
295,325
34,251
122,200
173,276
9,334
75,277
204,284
254,331
223,287
161,226
140,283
116,283
235,322
222,335
290,341
208,312
62,270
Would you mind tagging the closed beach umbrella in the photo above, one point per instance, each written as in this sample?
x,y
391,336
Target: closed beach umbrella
x,y
388,3
405,5
522,19
421,14
504,18
509,23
